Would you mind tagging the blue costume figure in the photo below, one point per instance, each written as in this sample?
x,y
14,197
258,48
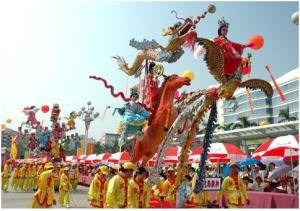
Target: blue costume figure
x,y
43,138
183,192
134,118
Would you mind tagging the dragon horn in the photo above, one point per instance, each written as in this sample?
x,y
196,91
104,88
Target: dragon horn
x,y
210,9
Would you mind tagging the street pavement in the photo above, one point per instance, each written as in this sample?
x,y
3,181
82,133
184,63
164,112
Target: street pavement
x,y
17,199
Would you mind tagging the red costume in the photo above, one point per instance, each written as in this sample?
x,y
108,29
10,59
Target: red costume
x,y
232,52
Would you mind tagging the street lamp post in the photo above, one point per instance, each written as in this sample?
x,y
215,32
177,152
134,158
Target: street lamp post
x,y
87,115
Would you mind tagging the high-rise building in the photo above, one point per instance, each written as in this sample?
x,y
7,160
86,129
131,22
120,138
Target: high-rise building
x,y
264,109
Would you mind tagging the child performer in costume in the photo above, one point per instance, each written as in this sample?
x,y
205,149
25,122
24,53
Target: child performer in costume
x,y
134,117
64,189
44,197
117,190
138,190
98,188
232,51
6,175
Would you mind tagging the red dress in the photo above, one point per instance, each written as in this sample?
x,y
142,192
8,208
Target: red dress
x,y
233,52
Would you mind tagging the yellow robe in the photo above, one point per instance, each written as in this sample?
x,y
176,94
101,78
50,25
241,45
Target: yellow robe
x,y
5,177
21,176
15,181
74,178
232,194
138,196
27,179
37,177
116,196
200,199
168,189
64,191
158,189
44,196
97,192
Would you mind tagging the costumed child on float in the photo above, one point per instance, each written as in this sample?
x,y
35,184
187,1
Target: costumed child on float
x,y
134,118
30,112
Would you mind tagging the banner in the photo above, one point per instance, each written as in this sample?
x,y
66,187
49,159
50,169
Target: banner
x,y
212,183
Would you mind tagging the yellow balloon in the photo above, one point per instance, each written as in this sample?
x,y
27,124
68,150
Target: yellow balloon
x,y
3,126
189,74
8,121
263,123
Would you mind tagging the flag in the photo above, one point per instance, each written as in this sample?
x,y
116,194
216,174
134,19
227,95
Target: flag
x,y
14,149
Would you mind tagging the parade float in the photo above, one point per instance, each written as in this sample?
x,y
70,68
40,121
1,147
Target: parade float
x,y
155,115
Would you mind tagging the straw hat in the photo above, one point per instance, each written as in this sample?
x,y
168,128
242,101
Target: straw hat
x,y
48,166
128,166
103,170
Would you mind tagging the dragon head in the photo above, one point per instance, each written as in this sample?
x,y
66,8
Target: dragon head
x,y
187,25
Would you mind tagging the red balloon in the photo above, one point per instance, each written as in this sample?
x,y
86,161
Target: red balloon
x,y
45,108
246,70
257,41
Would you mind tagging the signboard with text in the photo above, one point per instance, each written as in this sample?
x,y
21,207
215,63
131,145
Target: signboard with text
x,y
212,183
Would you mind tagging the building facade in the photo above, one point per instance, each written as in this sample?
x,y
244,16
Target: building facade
x,y
264,109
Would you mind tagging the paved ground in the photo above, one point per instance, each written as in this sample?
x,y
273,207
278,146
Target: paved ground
x,y
23,200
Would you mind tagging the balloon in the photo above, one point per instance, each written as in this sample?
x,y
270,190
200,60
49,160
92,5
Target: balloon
x,y
8,121
246,70
176,94
199,51
45,108
189,74
3,126
258,42
295,18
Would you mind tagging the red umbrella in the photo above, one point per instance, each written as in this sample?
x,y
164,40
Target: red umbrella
x,y
119,157
275,148
102,157
172,155
221,151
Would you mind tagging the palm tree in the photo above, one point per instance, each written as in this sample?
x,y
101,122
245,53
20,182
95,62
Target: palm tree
x,y
244,123
285,115
225,127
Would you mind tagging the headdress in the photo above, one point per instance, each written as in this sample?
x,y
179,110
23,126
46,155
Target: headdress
x,y
134,91
222,23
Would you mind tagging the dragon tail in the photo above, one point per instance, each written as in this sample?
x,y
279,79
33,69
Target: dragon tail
x,y
119,94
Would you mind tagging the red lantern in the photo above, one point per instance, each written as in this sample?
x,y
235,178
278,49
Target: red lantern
x,y
257,41
45,108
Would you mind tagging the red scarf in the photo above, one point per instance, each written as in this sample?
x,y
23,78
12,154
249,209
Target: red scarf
x,y
141,192
237,186
101,188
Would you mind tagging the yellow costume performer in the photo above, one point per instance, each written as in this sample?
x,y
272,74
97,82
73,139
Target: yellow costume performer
x,y
98,188
117,191
40,170
27,178
6,176
74,174
234,189
139,191
15,181
64,189
168,187
200,199
21,176
44,197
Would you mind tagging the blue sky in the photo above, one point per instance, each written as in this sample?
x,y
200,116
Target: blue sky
x,y
48,49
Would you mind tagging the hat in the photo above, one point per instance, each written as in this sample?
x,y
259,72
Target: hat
x,y
233,164
171,169
66,169
104,170
247,178
128,166
48,166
